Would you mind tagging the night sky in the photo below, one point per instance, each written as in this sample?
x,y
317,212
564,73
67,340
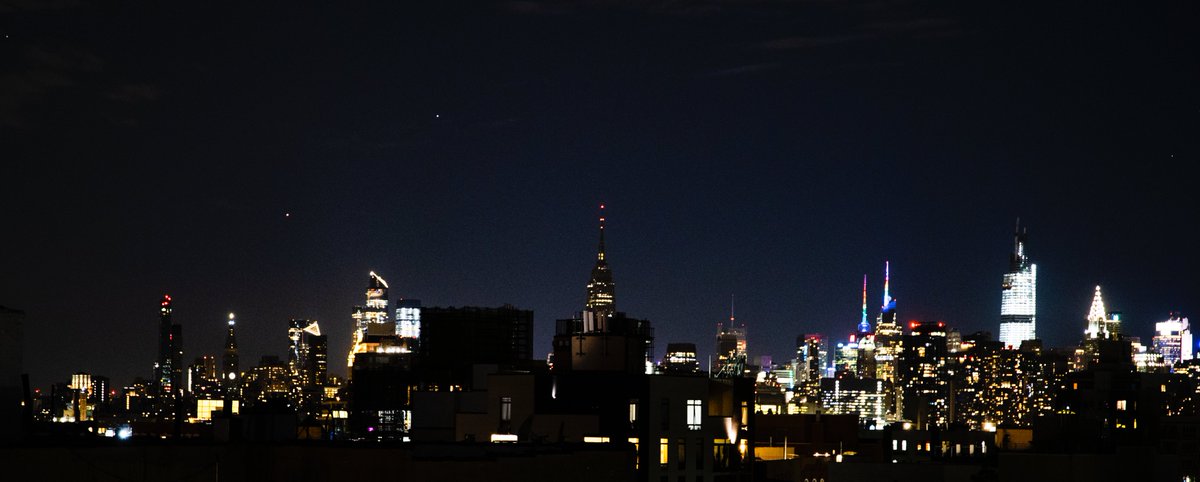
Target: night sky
x,y
772,150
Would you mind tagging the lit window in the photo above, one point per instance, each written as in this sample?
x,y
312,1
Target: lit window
x,y
505,409
693,414
633,411
1121,405
664,450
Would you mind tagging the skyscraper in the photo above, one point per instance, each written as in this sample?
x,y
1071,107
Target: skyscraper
x,y
888,336
1018,298
371,318
230,374
922,374
601,291
887,313
296,349
162,365
600,338
1173,339
1102,324
408,318
168,368
731,348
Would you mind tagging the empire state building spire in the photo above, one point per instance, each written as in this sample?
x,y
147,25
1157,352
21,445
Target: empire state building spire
x,y
864,326
600,288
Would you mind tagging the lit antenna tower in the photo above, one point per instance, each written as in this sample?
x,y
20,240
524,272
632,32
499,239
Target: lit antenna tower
x,y
864,326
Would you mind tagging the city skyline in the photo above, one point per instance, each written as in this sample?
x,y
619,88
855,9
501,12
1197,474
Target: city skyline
x,y
776,151
542,347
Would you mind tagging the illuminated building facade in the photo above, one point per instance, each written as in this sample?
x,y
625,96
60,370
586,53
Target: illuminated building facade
x,y
1173,339
1018,296
101,390
231,375
408,319
81,389
863,397
371,318
812,358
307,364
1146,360
845,358
993,385
267,381
681,359
922,375
203,380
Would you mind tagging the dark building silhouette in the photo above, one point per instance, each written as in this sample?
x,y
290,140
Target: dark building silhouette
x,y
16,405
378,396
168,367
454,339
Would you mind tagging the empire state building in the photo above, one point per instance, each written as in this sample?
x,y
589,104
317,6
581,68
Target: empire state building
x,y
600,288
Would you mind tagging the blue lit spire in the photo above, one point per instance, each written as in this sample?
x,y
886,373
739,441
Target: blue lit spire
x,y
864,326
887,298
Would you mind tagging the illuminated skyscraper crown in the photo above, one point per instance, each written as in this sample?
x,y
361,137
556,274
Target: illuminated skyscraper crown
x,y
601,291
1097,312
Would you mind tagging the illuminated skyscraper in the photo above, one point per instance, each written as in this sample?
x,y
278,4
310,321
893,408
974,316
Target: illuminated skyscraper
x,y
1173,339
1018,298
922,373
865,366
230,374
888,335
372,318
601,291
297,351
1102,324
